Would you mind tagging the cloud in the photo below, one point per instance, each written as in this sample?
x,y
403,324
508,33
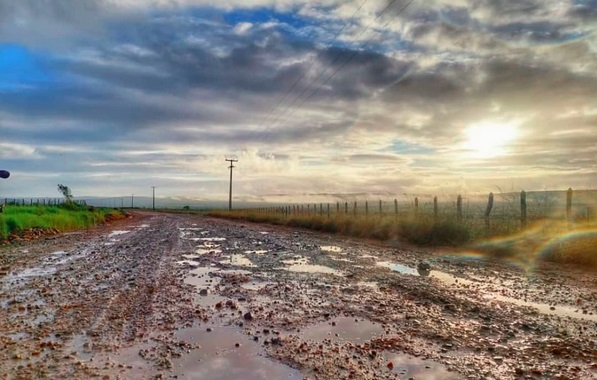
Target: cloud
x,y
125,90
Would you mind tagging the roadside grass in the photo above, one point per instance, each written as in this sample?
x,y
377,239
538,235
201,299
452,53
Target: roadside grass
x,y
544,240
62,218
424,231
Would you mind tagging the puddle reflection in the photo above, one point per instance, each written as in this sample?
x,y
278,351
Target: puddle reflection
x,y
343,329
220,359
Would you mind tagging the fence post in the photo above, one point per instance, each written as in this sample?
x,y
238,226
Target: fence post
x,y
321,209
569,205
459,208
523,208
366,208
354,210
380,208
416,207
435,209
396,206
337,208
487,212
328,210
346,208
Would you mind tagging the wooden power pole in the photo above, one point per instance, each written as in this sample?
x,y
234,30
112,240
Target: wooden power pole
x,y
232,161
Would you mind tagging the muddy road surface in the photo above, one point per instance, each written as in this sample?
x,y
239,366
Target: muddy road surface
x,y
161,296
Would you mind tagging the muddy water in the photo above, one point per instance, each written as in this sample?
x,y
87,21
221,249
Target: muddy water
x,y
301,265
219,358
331,248
409,367
343,329
451,280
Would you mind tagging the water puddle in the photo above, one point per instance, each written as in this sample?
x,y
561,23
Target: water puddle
x,y
446,278
236,272
238,260
18,336
342,259
543,308
28,273
208,247
189,263
202,251
331,248
369,257
264,232
409,367
191,257
343,329
200,277
212,239
398,268
143,226
205,285
256,285
310,268
301,265
117,233
219,358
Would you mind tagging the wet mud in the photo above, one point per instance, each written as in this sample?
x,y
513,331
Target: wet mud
x,y
178,296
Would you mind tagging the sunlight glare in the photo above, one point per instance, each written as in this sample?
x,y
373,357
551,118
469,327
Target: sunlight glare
x,y
490,139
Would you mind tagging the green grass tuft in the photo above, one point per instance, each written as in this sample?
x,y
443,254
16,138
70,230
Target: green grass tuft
x,y
62,218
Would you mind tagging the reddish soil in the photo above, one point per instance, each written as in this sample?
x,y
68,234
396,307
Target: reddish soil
x,y
187,297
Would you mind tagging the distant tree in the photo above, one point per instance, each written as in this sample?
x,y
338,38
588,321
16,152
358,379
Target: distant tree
x,y
66,193
186,208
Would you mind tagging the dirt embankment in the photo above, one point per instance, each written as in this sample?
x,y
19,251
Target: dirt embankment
x,y
159,296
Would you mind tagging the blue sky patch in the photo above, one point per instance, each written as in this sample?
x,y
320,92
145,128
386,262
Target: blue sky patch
x,y
264,15
407,148
19,67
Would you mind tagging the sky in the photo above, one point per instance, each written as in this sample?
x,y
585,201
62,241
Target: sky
x,y
318,100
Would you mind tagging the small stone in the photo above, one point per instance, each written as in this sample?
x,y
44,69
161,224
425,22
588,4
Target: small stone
x,y
248,316
204,292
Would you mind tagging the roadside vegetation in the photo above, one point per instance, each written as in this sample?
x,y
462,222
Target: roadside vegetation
x,y
544,240
423,231
65,217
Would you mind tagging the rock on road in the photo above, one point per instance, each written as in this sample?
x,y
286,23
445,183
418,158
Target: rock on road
x,y
188,297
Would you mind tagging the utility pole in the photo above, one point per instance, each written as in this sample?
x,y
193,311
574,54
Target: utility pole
x,y
153,187
232,161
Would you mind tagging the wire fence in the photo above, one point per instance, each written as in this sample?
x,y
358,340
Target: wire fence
x,y
520,208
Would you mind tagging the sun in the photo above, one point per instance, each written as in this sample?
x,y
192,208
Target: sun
x,y
490,139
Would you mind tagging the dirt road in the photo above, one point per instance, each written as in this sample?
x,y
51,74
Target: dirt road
x,y
176,296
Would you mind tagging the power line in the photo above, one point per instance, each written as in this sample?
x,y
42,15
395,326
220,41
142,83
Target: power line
x,y
298,79
354,53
